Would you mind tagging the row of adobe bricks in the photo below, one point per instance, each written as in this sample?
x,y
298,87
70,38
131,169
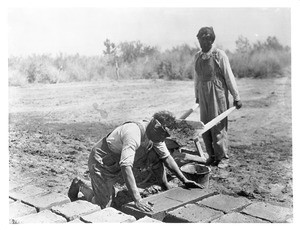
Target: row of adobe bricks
x,y
31,204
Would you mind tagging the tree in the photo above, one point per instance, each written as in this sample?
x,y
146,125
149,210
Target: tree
x,y
242,45
131,51
273,43
111,53
109,47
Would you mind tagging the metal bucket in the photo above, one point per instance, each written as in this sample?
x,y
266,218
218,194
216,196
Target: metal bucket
x,y
197,172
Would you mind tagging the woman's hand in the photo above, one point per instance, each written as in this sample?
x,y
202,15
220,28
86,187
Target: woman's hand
x,y
192,184
143,206
237,104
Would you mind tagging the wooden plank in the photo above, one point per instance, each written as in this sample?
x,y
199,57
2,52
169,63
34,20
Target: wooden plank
x,y
188,112
216,120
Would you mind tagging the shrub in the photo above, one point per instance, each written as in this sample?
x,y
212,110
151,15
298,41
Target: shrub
x,y
260,60
137,60
177,64
16,78
260,64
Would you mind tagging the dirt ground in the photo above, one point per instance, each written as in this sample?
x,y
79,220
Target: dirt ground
x,y
52,129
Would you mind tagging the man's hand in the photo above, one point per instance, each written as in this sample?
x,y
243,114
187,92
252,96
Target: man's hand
x,y
237,104
143,206
192,184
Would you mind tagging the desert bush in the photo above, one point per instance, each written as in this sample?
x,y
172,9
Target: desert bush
x,y
33,69
265,64
177,63
260,64
136,60
16,78
131,51
260,60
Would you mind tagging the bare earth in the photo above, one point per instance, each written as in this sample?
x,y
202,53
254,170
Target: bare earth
x,y
52,129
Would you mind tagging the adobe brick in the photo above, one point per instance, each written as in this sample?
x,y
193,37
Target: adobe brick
x,y
26,191
11,200
109,215
45,216
42,202
147,219
192,213
167,201
76,221
18,209
225,203
236,217
75,209
269,212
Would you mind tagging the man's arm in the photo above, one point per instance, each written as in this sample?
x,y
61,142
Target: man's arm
x,y
132,188
171,164
131,141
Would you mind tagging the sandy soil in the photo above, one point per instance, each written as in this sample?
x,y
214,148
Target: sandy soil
x,y
52,129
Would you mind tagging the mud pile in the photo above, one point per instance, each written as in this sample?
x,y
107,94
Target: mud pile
x,y
183,134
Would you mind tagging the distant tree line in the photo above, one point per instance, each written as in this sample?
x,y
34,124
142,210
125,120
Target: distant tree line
x,y
261,59
136,60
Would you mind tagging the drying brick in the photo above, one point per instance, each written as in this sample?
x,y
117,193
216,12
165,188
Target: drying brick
x,y
289,220
42,202
76,221
18,209
225,203
11,200
75,209
167,201
192,213
236,217
45,216
110,215
26,191
269,212
147,219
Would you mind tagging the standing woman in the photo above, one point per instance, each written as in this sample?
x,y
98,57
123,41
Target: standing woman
x,y
213,82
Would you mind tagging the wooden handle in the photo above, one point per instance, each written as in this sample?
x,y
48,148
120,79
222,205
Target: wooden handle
x,y
216,120
188,112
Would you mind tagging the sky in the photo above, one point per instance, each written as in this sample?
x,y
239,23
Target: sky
x,y
71,30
